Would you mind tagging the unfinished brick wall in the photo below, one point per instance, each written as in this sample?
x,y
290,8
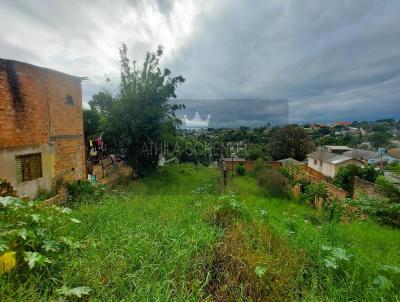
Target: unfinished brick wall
x,y
23,107
35,111
250,164
363,187
314,173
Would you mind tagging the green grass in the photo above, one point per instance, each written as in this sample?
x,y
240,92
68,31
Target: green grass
x,y
140,244
149,241
372,245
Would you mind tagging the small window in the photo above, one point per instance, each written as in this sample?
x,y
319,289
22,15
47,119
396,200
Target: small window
x,y
315,162
29,167
320,163
69,100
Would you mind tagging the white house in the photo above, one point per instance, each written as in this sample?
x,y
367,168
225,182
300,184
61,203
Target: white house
x,y
329,163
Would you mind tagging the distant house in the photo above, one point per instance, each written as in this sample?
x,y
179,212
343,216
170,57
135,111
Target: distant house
x,y
328,163
370,157
337,149
395,143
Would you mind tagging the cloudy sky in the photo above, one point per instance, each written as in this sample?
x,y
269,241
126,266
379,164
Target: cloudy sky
x,y
332,60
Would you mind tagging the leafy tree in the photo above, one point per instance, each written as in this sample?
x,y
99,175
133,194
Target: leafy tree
x,y
369,173
290,141
344,178
91,123
140,119
379,139
255,151
102,102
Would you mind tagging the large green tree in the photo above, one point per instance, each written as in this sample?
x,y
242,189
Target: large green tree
x,y
141,118
290,141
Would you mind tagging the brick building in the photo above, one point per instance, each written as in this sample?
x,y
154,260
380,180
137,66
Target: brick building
x,y
41,127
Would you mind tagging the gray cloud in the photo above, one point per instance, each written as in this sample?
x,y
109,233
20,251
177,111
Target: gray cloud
x,y
337,60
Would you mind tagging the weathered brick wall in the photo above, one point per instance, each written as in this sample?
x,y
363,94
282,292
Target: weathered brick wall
x,y
70,159
336,192
314,173
34,112
250,164
23,108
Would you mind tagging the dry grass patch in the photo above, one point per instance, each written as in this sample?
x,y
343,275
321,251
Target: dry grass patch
x,y
253,264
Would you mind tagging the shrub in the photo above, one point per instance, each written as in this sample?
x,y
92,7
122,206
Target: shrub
x,y
369,173
252,263
388,188
226,211
44,194
85,192
259,166
30,234
344,178
273,182
317,190
240,169
381,209
292,172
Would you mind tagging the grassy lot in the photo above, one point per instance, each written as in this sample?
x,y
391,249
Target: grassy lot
x,y
170,238
374,248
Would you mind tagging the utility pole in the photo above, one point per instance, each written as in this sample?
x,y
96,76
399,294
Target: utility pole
x,y
232,175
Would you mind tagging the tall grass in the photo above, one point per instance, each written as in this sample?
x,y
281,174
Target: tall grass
x,y
142,244
374,248
153,240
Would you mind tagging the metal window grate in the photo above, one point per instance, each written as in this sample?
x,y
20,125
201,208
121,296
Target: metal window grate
x,y
29,167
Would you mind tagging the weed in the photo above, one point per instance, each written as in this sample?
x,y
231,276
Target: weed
x,y
227,210
85,192
253,264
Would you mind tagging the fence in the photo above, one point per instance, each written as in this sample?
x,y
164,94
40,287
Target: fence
x,y
314,173
248,164
315,176
336,192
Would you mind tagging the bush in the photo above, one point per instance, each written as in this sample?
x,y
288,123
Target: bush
x,y
227,210
240,169
30,234
317,190
292,172
273,182
381,209
388,188
259,166
85,192
369,173
345,177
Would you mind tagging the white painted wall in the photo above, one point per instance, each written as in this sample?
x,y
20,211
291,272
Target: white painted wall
x,y
329,169
8,169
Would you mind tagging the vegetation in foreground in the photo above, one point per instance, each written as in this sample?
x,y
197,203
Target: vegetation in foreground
x,y
171,237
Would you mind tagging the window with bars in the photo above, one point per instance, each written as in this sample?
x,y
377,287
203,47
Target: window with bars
x,y
29,167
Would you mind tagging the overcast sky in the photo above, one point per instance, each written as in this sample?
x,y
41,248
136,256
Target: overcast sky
x,y
332,60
